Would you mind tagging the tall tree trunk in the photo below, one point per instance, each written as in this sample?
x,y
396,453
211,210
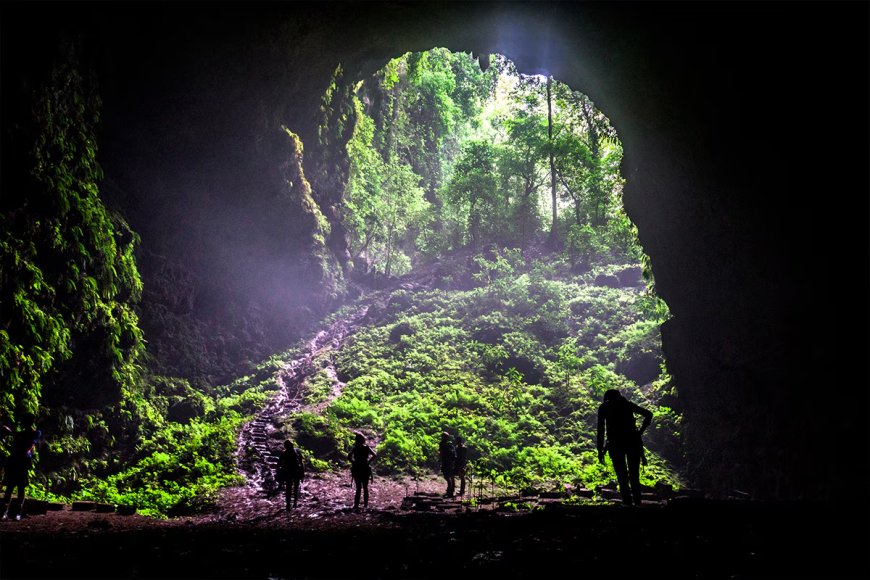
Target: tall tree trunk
x,y
364,249
397,92
388,268
575,197
595,149
554,229
524,210
473,222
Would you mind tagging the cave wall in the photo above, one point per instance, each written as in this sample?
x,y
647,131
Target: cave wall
x,y
738,132
745,135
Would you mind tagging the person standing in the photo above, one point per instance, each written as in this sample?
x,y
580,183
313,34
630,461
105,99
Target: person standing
x,y
290,472
447,453
461,463
616,421
18,465
360,457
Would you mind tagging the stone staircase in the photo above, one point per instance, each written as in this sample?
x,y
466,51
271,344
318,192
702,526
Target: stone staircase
x,y
261,440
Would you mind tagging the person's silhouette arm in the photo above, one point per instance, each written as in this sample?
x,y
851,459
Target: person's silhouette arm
x,y
647,417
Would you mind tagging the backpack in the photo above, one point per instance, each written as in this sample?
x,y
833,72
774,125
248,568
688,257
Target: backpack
x,y
297,468
289,466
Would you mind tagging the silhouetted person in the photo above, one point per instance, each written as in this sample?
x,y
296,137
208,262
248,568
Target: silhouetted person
x,y
18,465
361,456
291,472
616,420
461,463
447,453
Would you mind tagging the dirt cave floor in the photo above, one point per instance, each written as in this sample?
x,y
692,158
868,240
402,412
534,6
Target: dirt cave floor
x,y
409,531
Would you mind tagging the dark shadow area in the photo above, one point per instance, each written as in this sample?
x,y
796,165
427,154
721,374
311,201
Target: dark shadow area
x,y
691,539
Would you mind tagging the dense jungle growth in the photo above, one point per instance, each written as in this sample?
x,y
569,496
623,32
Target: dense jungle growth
x,y
504,188
445,155
516,363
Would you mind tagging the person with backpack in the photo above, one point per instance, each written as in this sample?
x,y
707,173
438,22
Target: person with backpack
x,y
447,455
18,464
616,421
360,457
290,472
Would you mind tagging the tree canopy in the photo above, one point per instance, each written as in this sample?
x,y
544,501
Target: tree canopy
x,y
448,154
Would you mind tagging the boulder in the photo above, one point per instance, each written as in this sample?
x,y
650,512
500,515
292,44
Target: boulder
x,y
632,276
608,281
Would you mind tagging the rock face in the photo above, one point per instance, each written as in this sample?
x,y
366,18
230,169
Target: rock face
x,y
630,276
731,163
608,281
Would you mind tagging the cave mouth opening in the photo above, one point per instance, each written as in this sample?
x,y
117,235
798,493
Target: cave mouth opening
x,y
467,151
450,154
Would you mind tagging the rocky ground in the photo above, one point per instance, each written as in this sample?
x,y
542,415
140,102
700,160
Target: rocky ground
x,y
424,536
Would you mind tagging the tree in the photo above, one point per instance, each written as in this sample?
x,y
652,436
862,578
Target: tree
x,y
383,199
412,116
554,227
520,160
484,145
580,157
473,187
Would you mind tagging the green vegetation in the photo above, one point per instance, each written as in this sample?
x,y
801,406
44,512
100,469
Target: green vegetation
x,y
179,467
517,365
505,187
67,271
185,442
446,156
511,350
70,342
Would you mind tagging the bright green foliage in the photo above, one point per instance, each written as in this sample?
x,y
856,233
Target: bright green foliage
x,y
473,193
68,278
411,120
479,145
440,157
185,445
383,201
178,470
518,365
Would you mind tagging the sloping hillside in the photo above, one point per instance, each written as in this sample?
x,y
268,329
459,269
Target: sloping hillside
x,y
512,354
